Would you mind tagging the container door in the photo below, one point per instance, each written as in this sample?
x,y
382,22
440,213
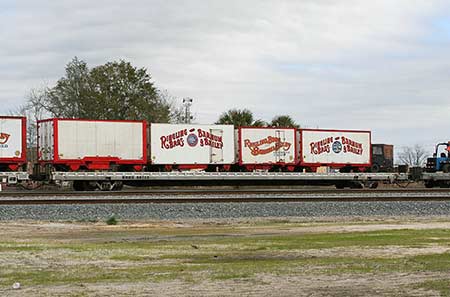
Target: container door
x,y
280,154
46,147
216,151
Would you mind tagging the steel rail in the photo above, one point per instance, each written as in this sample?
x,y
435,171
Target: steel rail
x,y
78,201
211,191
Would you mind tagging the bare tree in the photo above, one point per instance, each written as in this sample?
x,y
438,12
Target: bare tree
x,y
413,156
177,112
33,110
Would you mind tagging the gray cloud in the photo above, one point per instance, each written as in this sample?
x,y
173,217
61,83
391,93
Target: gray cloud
x,y
379,65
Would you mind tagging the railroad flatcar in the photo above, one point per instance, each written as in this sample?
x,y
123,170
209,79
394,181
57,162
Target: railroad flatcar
x,y
76,144
13,143
115,151
341,149
191,146
267,148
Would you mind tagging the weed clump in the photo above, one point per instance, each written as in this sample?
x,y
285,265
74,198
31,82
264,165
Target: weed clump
x,y
112,220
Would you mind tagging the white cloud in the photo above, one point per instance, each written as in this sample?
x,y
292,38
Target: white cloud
x,y
341,64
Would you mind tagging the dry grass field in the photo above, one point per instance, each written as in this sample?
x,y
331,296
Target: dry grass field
x,y
270,257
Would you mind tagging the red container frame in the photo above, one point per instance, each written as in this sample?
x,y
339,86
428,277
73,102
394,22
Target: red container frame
x,y
195,166
290,165
92,162
335,165
15,163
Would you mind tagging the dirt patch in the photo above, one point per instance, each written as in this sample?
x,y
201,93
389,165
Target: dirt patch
x,y
263,285
308,280
71,231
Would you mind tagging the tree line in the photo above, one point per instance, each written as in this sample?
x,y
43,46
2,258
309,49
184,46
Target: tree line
x,y
117,91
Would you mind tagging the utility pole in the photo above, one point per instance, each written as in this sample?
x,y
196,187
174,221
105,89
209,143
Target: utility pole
x,y
187,102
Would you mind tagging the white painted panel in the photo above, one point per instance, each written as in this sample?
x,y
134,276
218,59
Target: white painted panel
x,y
10,137
216,152
267,145
338,147
190,144
78,139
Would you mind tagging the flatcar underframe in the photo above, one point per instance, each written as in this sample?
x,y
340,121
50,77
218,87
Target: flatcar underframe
x,y
13,177
115,180
108,181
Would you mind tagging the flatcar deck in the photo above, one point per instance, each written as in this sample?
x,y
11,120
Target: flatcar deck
x,y
190,175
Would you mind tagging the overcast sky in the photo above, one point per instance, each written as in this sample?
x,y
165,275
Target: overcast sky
x,y
380,65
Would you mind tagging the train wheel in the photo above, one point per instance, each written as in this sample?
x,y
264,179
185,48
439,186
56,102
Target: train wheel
x,y
446,168
79,185
83,185
356,185
372,185
118,186
375,168
429,184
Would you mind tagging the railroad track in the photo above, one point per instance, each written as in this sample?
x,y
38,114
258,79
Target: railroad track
x,y
227,196
212,191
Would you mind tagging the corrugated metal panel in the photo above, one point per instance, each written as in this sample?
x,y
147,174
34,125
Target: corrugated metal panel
x,y
45,141
79,139
66,139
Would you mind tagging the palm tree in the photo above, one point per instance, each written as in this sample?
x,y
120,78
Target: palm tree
x,y
239,118
259,123
284,121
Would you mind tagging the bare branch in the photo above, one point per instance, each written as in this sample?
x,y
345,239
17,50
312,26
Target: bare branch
x,y
413,156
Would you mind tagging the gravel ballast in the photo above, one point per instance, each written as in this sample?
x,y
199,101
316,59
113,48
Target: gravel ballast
x,y
222,210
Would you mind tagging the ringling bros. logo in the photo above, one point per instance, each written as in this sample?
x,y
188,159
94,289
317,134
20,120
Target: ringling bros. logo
x,y
274,144
337,145
4,137
192,137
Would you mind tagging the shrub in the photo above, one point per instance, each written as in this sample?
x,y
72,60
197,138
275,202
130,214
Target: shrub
x,y
111,220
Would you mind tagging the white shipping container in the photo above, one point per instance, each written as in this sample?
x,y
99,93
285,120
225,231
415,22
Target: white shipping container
x,y
266,146
12,138
186,144
67,139
335,147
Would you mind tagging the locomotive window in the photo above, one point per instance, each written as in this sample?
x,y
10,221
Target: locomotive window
x,y
376,150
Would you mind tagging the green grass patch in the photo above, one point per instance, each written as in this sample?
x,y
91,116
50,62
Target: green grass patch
x,y
441,286
21,247
216,255
95,274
